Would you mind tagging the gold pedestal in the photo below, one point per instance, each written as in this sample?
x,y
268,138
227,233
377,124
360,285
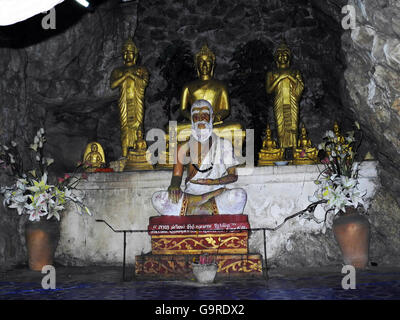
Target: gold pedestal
x,y
310,157
118,165
268,158
138,160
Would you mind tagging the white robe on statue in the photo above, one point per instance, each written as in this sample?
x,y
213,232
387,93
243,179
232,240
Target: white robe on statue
x,y
221,157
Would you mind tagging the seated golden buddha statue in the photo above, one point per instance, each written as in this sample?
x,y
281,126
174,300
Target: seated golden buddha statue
x,y
93,157
215,92
341,140
269,153
140,144
138,156
305,153
336,131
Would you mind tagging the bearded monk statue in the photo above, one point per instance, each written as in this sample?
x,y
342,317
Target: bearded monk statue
x,y
211,166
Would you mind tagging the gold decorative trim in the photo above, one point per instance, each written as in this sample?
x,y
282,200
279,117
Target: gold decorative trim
x,y
240,266
185,202
227,264
200,251
214,206
235,243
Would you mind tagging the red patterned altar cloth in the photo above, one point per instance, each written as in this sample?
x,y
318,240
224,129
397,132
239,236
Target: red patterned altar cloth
x,y
180,266
177,241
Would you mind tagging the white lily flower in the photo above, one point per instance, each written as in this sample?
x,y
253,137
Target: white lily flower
x,y
54,213
330,134
21,184
35,214
43,199
349,139
333,177
19,205
348,183
49,161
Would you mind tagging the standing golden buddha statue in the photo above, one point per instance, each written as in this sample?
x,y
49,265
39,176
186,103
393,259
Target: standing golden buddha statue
x,y
206,87
132,81
288,86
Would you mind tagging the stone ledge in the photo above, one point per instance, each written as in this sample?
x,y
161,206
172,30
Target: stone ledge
x,y
268,174
124,201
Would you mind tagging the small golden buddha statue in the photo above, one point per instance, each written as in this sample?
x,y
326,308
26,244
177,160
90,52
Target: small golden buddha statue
x,y
345,147
132,81
138,157
141,144
269,153
336,131
305,153
216,93
93,157
288,86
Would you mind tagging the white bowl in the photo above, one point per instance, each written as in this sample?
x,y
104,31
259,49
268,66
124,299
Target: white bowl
x,y
281,163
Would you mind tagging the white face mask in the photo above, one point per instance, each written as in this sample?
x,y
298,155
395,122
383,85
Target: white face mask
x,y
204,134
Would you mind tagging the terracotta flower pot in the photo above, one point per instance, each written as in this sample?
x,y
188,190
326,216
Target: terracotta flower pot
x,y
41,241
352,232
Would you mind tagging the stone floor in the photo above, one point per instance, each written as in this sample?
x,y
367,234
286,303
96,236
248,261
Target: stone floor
x,y
105,283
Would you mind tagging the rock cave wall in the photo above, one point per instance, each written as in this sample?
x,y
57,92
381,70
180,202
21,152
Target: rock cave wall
x,y
60,80
372,90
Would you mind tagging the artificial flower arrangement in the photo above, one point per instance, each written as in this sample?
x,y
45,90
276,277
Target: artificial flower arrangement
x,y
30,193
204,259
205,268
338,184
